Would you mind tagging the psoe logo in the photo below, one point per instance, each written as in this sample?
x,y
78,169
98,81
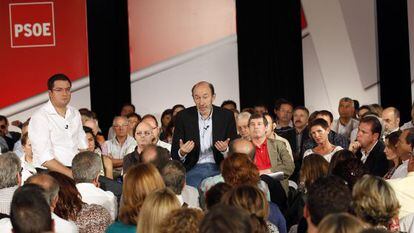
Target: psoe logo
x,y
32,24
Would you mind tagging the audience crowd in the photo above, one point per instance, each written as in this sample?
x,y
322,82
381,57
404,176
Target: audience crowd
x,y
207,169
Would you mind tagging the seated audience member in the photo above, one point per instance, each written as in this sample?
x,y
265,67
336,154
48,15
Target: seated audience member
x,y
156,155
404,190
369,148
120,145
391,120
270,133
271,155
125,110
30,211
139,181
229,104
374,202
166,118
10,179
346,123
225,218
284,111
362,110
260,109
376,109
391,151
85,168
183,220
338,157
96,131
51,192
169,131
18,148
152,121
254,201
313,167
340,223
350,170
86,115
94,147
143,137
176,109
215,194
319,130
133,120
327,195
9,136
28,169
242,123
173,174
409,124
405,148
155,209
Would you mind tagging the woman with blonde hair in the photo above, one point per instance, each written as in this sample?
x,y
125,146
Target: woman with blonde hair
x,y
139,182
374,202
253,200
155,209
340,223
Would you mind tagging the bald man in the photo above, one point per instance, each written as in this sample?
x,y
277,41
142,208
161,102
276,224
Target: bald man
x,y
391,120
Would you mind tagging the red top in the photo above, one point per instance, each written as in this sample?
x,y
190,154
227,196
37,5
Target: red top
x,y
261,157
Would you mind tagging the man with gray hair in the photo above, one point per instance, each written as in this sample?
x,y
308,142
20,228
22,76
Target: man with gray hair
x,y
345,124
51,191
10,179
173,174
243,125
85,168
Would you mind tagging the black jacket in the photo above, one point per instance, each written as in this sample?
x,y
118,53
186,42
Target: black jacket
x,y
376,163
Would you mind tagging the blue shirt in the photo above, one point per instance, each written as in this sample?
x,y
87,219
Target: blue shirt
x,y
119,227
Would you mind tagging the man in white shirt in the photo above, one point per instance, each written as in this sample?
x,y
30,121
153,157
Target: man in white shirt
x,y
10,179
346,123
51,191
55,129
119,146
152,121
173,174
404,150
86,167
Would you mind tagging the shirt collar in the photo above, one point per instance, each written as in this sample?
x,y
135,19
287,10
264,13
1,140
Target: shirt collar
x,y
200,117
369,151
52,110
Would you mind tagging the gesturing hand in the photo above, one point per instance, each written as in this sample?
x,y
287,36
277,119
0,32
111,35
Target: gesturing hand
x,y
186,148
222,145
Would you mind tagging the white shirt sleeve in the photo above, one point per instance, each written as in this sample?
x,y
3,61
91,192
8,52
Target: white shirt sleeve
x,y
39,135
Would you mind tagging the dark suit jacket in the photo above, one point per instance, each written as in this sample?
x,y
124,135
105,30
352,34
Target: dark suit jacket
x,y
186,128
376,163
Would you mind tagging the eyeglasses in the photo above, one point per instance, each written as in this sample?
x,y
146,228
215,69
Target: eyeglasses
x,y
119,126
143,133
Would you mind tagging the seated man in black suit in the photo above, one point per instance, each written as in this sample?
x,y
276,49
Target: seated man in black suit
x,y
10,137
369,148
202,134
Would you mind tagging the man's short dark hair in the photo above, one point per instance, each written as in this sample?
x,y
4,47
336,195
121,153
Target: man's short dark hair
x,y
130,105
57,77
173,174
29,211
162,158
225,218
303,108
215,193
4,118
279,102
327,195
231,102
258,116
325,113
376,126
210,86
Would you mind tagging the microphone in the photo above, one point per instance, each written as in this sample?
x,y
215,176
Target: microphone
x,y
206,127
67,126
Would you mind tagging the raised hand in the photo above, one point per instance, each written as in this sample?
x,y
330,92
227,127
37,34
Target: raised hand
x,y
186,148
222,145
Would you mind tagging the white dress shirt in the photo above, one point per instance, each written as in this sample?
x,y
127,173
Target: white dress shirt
x,y
5,225
28,169
205,127
328,156
401,170
94,195
164,145
64,226
56,137
190,196
407,125
6,196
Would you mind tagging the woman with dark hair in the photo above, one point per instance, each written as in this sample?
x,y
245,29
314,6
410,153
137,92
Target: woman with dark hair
x,y
176,109
351,170
88,218
340,156
94,146
319,131
166,117
390,151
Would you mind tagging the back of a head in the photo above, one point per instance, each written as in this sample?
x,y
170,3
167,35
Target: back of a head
x,y
340,223
139,181
184,220
9,169
351,170
156,207
338,157
327,195
216,193
225,218
242,146
162,156
375,230
48,183
374,201
173,174
238,169
313,167
86,166
30,212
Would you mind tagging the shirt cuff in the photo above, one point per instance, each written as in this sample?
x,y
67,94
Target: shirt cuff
x,y
225,153
182,157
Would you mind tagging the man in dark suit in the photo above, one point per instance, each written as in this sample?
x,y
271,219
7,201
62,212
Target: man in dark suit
x,y
10,137
202,134
369,148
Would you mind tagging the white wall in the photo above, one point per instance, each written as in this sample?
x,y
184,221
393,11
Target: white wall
x,y
165,84
338,60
